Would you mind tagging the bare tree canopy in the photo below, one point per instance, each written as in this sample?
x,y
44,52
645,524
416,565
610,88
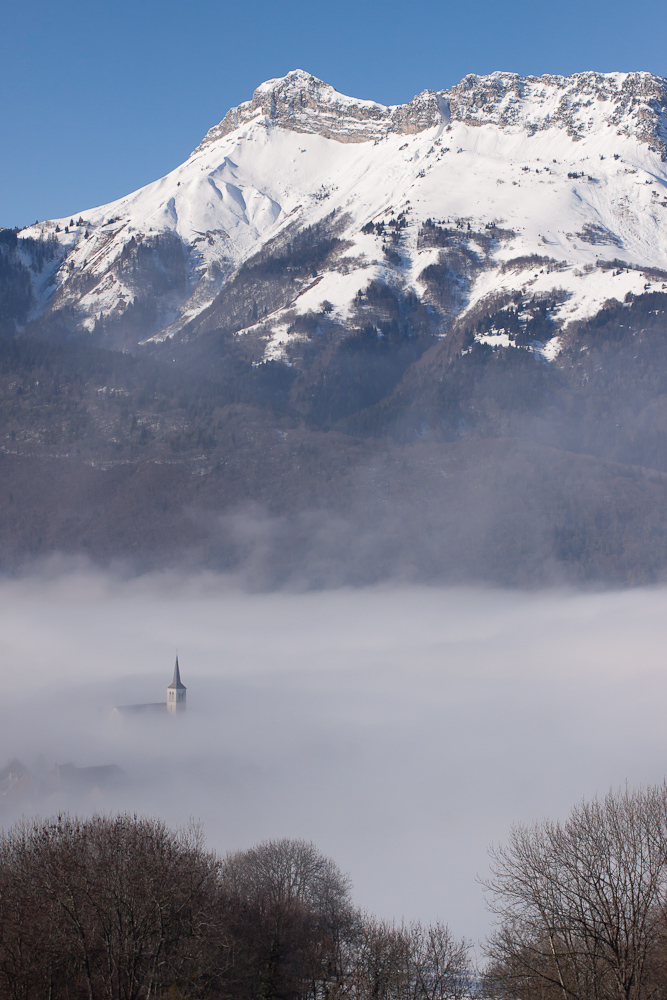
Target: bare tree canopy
x,y
294,913
406,962
122,908
105,907
287,871
581,904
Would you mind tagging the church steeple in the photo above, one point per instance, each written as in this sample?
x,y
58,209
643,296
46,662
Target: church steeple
x,y
176,691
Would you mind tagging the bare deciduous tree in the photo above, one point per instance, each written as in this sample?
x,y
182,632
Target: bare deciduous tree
x,y
581,903
387,961
287,871
116,908
294,908
122,908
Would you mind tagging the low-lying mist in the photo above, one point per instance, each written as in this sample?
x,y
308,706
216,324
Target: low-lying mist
x,y
401,728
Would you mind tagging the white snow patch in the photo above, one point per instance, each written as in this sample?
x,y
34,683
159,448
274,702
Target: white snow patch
x,y
495,340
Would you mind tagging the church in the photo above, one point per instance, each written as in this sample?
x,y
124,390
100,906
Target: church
x,y
174,704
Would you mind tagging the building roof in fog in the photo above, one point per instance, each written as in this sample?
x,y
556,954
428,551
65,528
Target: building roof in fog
x,y
153,706
176,683
16,781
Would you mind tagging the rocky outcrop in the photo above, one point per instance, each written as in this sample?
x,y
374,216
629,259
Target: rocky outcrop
x,y
632,103
302,103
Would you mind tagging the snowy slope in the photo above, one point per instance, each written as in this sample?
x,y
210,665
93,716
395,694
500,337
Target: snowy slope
x,y
566,169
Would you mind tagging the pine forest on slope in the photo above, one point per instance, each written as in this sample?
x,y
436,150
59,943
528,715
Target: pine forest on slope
x,y
343,342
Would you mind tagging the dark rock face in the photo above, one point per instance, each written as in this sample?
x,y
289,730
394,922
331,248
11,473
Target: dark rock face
x,y
17,258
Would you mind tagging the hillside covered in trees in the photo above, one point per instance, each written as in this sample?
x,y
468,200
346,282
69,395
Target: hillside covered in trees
x,y
407,456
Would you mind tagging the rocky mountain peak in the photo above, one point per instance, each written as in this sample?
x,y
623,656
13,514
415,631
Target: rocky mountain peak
x,y
303,103
632,103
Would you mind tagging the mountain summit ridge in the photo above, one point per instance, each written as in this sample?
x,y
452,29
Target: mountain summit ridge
x,y
303,103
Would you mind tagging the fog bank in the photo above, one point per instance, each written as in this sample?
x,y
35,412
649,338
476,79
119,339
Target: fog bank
x,y
402,729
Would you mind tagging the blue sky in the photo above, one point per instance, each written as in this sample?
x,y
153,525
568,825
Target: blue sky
x,y
100,98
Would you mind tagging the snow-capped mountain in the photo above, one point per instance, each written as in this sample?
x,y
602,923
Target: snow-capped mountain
x,y
345,341
550,188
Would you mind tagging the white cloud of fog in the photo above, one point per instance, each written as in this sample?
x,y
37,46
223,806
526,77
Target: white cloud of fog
x,y
401,728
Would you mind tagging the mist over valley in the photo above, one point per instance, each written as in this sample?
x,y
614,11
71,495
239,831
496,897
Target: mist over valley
x,y
402,729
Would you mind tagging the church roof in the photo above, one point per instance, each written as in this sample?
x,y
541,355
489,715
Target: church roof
x,y
151,706
176,683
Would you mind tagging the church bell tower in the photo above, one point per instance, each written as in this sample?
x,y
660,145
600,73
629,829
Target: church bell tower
x,y
176,692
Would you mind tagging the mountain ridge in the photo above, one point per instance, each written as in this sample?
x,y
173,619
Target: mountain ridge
x,y
294,100
301,102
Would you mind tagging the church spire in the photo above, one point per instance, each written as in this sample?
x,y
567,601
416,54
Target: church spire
x,y
176,691
176,683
